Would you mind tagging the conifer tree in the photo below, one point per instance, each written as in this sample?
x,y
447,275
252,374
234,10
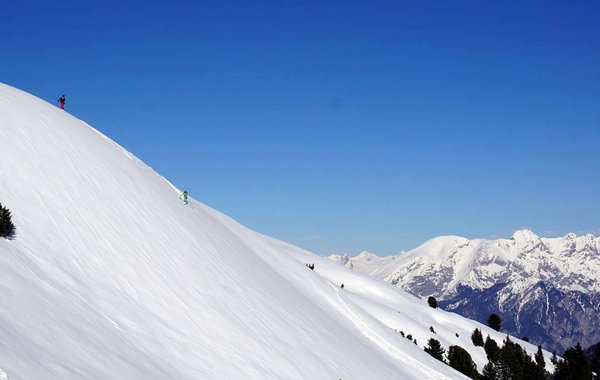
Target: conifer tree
x,y
539,358
494,321
432,302
460,360
515,363
532,369
434,348
491,349
490,372
554,358
6,225
477,338
574,365
510,365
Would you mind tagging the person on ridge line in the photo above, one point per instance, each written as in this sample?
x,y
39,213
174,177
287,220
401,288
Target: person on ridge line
x,y
61,101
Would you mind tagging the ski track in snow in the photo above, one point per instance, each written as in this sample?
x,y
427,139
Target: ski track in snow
x,y
391,349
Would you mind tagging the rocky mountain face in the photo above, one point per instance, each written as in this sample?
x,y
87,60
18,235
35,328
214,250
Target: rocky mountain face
x,y
547,316
547,289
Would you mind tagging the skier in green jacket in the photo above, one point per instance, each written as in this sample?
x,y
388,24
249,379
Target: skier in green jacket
x,y
184,196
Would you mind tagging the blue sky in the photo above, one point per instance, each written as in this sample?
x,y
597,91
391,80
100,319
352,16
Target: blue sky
x,y
339,126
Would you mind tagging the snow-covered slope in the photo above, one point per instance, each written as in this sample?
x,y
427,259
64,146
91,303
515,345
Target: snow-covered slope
x,y
110,276
548,288
365,262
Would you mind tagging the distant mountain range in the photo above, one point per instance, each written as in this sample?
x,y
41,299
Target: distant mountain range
x,y
364,262
547,289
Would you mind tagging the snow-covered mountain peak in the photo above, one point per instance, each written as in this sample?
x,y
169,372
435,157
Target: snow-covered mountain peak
x,y
365,255
365,262
442,243
341,258
524,235
525,240
436,248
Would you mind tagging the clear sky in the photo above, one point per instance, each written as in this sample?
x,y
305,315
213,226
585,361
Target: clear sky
x,y
339,126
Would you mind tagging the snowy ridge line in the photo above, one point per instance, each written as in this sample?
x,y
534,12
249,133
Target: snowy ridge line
x,y
128,154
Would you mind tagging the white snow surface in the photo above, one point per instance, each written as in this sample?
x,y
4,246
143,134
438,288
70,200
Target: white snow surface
x,y
110,276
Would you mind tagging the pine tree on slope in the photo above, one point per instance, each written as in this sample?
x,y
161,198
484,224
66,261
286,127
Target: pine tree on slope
x,y
6,225
460,360
491,349
490,372
574,366
434,348
494,322
477,338
539,357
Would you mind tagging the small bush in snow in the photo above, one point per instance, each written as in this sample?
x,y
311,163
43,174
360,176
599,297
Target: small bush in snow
x,y
432,302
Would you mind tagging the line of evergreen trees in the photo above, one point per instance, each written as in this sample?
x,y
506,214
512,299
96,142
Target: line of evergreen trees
x,y
574,365
512,362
